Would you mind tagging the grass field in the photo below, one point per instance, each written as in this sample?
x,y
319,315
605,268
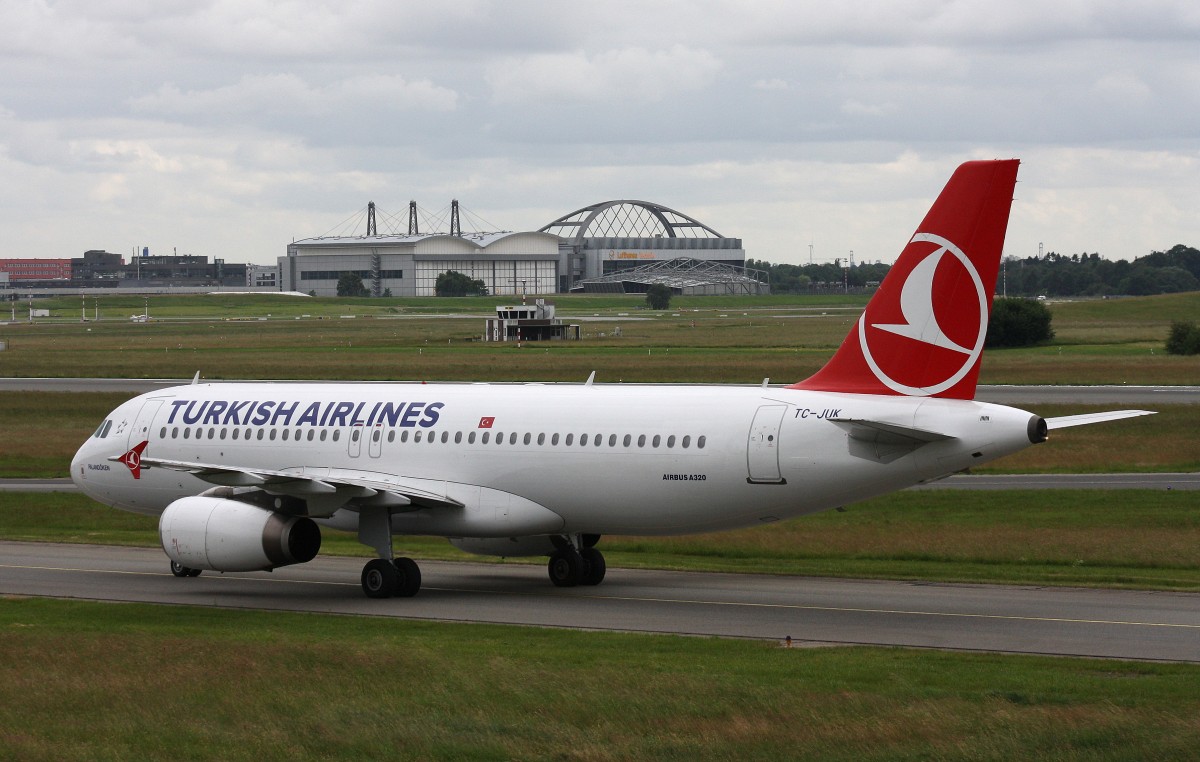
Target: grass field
x,y
1131,538
702,339
86,681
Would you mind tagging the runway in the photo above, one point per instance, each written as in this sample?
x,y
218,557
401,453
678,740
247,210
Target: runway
x,y
813,611
1003,394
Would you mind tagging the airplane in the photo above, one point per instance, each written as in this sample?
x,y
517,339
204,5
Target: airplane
x,y
244,475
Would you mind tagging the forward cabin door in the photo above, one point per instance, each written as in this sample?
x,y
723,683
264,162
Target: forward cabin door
x,y
762,450
140,430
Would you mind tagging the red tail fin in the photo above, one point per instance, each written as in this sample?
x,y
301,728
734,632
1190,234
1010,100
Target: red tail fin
x,y
922,333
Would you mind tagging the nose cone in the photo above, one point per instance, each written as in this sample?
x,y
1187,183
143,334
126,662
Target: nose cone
x,y
89,467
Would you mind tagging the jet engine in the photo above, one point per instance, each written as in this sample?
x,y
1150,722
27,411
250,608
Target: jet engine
x,y
230,536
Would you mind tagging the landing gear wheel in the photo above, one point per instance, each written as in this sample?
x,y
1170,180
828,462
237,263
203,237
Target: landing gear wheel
x,y
565,567
408,577
379,578
593,566
179,570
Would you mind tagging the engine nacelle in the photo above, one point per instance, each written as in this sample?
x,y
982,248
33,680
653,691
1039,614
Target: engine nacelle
x,y
227,535
508,547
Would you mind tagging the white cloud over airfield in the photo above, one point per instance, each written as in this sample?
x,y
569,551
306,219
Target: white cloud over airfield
x,y
230,128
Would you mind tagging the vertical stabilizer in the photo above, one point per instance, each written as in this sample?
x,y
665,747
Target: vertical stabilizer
x,y
922,333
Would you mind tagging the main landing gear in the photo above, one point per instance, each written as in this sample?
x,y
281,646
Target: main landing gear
x,y
576,561
386,576
179,570
400,577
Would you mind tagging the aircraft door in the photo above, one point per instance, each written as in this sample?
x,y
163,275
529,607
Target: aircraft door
x,y
354,443
140,430
762,451
376,444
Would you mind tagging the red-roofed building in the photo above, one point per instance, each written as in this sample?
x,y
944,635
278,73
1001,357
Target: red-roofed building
x,y
36,269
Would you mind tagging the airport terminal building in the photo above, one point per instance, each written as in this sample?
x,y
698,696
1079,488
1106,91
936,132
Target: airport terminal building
x,y
591,242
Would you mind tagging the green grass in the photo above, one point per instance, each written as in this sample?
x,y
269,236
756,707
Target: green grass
x,y
701,339
1130,538
86,681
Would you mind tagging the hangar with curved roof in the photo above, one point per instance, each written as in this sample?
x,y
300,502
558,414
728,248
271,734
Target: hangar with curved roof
x,y
590,242
611,236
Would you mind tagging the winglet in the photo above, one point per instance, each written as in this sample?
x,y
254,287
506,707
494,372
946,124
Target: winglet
x,y
133,459
922,333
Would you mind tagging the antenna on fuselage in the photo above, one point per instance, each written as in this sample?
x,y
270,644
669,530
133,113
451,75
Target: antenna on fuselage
x,y
591,378
196,378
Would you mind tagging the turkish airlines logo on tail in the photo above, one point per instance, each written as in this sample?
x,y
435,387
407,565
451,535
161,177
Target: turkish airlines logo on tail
x,y
940,317
133,459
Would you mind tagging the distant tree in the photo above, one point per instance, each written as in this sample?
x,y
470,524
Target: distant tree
x,y
453,283
351,284
387,293
1018,323
658,296
1184,338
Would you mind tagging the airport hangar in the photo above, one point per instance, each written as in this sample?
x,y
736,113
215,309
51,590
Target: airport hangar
x,y
596,242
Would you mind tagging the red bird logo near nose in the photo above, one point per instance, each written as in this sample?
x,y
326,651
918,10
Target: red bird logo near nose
x,y
133,459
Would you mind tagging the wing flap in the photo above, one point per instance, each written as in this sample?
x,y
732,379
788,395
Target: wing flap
x,y
330,487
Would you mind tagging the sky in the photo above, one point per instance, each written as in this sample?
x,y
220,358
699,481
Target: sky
x,y
229,129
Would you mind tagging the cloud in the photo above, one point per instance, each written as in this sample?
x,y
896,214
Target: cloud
x,y
279,94
635,74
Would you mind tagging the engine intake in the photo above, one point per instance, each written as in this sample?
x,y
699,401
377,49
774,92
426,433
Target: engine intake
x,y
227,535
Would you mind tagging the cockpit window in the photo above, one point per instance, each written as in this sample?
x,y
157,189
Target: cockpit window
x,y
103,429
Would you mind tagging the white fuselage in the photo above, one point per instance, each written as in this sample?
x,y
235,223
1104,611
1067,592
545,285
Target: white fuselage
x,y
541,459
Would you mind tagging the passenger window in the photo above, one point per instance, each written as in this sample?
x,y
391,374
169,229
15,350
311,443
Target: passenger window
x,y
512,438
700,442
687,440
641,440
654,442
260,434
311,434
236,432
583,440
391,436
528,438
485,438
471,438
223,432
671,441
541,439
612,440
272,436
354,435
285,435
625,442
554,440
186,432
175,433
569,438
445,437
323,433
403,436
416,436
457,437
337,434
375,435
598,440
212,433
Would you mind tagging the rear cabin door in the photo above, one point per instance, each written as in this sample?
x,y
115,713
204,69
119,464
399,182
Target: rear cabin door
x,y
762,450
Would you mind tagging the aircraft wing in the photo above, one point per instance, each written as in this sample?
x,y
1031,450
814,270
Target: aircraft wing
x,y
324,489
1066,421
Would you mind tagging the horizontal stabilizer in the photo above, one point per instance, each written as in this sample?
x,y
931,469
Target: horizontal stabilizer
x,y
892,433
1066,421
